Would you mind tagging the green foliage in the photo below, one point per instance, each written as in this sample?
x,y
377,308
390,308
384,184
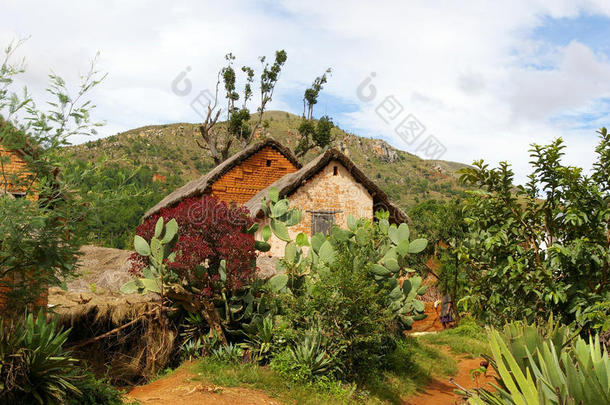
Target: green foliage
x,y
539,248
310,98
34,369
95,392
442,223
305,361
556,371
39,236
346,287
260,340
228,354
197,338
159,252
118,195
314,134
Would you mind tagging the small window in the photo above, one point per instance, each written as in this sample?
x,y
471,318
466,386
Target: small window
x,y
268,162
322,222
335,171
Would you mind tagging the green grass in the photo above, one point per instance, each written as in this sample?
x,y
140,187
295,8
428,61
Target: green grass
x,y
409,369
265,379
468,338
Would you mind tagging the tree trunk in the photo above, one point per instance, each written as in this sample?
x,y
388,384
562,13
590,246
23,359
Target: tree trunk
x,y
213,319
206,308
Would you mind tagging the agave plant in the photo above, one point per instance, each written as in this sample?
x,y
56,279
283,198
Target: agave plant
x,y
260,341
572,372
310,355
228,354
33,366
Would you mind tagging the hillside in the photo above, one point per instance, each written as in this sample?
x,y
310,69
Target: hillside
x,y
171,151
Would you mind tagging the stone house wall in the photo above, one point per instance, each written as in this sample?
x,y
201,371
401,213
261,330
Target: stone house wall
x,y
332,189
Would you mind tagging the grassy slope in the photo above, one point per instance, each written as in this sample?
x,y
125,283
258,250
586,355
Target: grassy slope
x,y
171,150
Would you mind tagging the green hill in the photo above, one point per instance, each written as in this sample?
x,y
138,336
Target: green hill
x,y
171,151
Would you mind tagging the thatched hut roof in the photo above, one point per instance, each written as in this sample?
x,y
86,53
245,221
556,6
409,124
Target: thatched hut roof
x,y
101,273
291,182
203,184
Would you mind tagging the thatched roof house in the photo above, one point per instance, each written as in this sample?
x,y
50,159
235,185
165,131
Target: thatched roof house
x,y
327,190
288,184
238,178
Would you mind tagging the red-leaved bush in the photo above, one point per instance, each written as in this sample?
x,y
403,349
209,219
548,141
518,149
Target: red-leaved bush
x,y
209,231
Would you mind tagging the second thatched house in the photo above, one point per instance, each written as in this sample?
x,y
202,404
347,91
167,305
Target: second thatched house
x,y
326,190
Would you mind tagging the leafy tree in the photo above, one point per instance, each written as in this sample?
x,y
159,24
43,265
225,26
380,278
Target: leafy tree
x,y
314,134
310,98
217,138
542,247
117,198
38,234
442,223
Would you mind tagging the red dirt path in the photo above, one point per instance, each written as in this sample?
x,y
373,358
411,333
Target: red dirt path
x,y
440,391
181,388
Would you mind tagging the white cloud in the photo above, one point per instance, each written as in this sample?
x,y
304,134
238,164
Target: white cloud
x,y
460,68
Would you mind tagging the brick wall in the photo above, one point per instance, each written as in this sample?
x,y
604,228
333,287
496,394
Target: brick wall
x,y
252,175
14,164
326,192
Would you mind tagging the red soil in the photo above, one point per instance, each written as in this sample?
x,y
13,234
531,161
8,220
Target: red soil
x,y
431,323
183,388
440,391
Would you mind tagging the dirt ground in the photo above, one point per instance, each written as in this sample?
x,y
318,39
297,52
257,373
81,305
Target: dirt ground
x,y
182,388
440,391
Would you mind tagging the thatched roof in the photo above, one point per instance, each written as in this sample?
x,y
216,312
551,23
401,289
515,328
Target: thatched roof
x,y
202,185
291,182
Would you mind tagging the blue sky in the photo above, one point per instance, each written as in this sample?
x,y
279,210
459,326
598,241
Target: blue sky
x,y
485,79
588,29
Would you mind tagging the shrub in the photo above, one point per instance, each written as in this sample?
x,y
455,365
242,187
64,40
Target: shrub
x,y
95,392
33,366
211,261
349,310
210,231
541,247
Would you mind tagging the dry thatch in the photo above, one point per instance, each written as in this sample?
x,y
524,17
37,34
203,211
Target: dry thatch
x,y
203,184
291,182
92,307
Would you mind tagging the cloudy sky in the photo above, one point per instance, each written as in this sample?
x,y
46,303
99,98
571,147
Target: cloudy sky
x,y
484,79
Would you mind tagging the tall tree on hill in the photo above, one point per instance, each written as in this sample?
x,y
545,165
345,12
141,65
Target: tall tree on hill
x,y
314,134
218,138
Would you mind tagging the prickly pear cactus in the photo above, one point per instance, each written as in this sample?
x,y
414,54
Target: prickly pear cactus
x,y
158,252
387,246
